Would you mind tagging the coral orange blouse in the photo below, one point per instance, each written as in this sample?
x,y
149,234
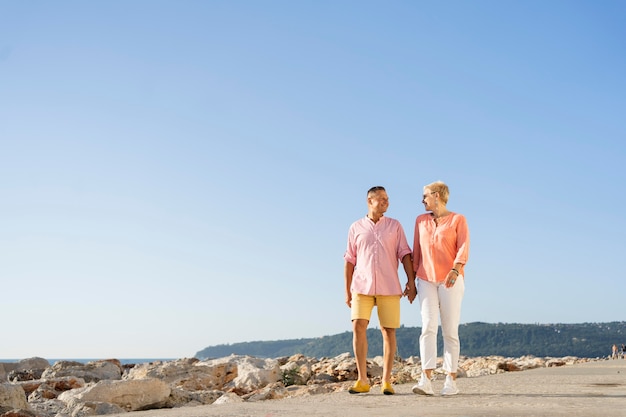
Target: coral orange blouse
x,y
436,248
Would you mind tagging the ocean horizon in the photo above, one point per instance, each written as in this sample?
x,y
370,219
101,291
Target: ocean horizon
x,y
126,361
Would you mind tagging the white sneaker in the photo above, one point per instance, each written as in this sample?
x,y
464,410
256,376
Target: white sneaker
x,y
423,387
449,387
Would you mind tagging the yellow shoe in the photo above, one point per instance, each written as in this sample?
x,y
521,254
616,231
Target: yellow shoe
x,y
359,388
387,389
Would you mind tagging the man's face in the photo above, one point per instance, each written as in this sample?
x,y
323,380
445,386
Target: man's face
x,y
378,202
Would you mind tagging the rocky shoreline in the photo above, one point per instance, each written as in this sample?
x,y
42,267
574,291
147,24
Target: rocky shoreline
x,y
35,388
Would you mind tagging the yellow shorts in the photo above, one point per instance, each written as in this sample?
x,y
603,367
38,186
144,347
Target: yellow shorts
x,y
388,307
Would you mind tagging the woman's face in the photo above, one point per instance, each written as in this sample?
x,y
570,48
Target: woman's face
x,y
428,199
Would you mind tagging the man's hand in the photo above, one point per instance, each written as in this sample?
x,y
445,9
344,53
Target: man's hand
x,y
410,291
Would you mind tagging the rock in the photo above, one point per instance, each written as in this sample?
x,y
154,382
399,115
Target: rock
x,y
555,362
342,367
296,372
24,368
273,391
48,389
52,407
322,378
92,408
252,373
29,375
189,374
529,362
32,363
74,389
29,386
89,372
228,398
12,396
65,383
19,413
183,398
131,395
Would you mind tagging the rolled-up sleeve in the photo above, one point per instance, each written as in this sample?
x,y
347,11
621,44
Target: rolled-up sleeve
x,y
350,254
462,241
403,244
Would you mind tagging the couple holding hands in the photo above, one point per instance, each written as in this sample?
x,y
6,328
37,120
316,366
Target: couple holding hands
x,y
435,273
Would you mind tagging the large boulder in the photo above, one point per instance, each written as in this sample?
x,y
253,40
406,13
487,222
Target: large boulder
x,y
17,413
342,368
12,396
252,373
183,398
29,375
187,374
131,395
52,407
26,367
296,370
89,372
90,408
32,363
46,389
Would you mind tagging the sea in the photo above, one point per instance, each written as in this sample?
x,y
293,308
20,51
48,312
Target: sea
x,y
122,361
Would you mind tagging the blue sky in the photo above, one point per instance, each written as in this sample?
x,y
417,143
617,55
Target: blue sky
x,y
176,175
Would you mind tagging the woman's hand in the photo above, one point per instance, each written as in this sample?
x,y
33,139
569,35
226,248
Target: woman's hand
x,y
451,278
410,291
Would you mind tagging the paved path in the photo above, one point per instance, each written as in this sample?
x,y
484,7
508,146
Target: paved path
x,y
585,390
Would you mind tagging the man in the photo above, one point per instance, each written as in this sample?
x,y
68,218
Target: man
x,y
375,245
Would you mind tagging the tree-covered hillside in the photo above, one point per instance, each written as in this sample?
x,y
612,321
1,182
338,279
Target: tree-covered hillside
x,y
477,339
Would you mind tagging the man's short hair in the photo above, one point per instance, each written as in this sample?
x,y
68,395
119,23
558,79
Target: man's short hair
x,y
375,189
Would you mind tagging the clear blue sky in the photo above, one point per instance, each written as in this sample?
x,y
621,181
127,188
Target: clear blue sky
x,y
180,174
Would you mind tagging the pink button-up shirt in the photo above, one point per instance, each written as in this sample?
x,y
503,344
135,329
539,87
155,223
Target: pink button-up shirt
x,y
436,248
375,250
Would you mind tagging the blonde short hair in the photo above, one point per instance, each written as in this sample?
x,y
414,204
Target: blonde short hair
x,y
441,188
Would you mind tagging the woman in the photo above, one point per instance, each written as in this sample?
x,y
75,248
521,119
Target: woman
x,y
440,251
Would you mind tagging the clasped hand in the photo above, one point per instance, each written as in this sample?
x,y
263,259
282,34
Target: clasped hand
x,y
410,291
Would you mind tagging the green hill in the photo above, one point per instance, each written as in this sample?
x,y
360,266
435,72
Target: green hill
x,y
585,340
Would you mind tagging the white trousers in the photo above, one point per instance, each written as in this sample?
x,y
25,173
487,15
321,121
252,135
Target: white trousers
x,y
437,301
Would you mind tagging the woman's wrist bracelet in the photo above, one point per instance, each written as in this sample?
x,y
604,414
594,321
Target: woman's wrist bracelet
x,y
457,272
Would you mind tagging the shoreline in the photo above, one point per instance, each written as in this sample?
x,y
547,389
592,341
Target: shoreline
x,y
589,389
126,361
